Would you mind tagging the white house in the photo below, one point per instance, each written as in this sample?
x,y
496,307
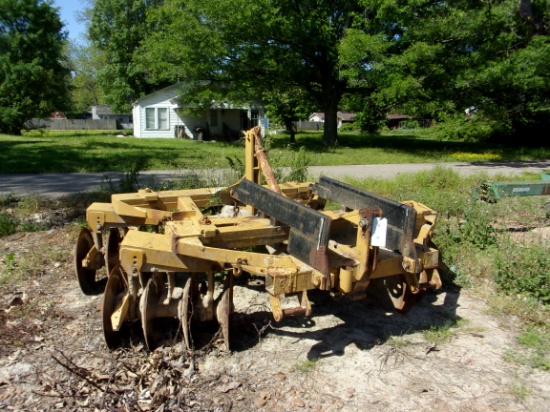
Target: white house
x,y
317,117
159,115
343,117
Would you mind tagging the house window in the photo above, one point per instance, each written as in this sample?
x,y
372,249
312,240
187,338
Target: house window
x,y
157,118
150,118
162,118
254,118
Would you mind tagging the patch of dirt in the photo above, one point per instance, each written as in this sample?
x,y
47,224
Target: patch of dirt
x,y
346,357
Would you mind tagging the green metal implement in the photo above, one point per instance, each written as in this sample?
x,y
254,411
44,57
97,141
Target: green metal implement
x,y
493,191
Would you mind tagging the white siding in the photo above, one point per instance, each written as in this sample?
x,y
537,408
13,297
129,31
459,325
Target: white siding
x,y
165,98
161,99
136,114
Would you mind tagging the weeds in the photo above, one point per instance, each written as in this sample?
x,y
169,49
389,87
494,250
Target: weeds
x,y
298,167
475,228
129,181
297,171
306,367
8,225
520,391
538,341
236,164
8,262
524,269
31,204
8,200
443,333
397,342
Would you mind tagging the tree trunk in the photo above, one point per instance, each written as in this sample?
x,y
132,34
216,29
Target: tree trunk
x,y
330,133
290,129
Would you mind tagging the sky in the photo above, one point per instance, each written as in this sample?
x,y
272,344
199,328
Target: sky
x,y
68,10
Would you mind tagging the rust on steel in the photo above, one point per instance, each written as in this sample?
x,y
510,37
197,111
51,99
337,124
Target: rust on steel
x,y
264,162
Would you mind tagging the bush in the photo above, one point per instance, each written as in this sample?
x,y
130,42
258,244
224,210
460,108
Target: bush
x,y
8,225
349,127
477,129
524,270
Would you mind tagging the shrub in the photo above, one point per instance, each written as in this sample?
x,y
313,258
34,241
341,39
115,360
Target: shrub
x,y
477,129
524,270
350,127
474,228
8,225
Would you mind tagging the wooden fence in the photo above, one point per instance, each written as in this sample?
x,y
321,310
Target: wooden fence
x,y
74,124
305,125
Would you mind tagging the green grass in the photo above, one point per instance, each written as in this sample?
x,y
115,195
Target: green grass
x,y
520,391
306,367
538,341
398,342
487,247
89,151
443,333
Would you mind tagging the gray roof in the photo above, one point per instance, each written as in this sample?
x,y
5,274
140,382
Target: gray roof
x,y
104,109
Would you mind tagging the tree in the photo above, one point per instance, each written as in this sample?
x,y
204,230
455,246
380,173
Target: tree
x,y
436,58
86,61
116,28
34,77
288,107
252,47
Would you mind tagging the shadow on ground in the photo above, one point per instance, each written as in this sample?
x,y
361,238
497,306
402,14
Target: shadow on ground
x,y
363,324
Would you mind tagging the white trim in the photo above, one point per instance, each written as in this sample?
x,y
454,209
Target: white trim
x,y
157,119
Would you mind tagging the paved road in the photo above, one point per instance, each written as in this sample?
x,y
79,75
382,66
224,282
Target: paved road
x,y
61,184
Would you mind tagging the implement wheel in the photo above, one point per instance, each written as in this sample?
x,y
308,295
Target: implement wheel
x,y
88,278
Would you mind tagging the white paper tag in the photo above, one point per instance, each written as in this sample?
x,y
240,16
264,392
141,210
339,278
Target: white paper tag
x,y
379,232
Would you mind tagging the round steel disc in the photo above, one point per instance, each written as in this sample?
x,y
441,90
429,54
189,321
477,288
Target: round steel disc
x,y
112,246
223,315
185,314
392,292
145,303
88,279
115,290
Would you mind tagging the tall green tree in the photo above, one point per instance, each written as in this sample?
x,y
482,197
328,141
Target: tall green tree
x,y
34,77
435,58
248,48
117,28
85,62
288,107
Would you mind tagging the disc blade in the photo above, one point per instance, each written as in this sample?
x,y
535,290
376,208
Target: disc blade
x,y
185,314
223,315
87,277
145,303
112,246
115,291
392,293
